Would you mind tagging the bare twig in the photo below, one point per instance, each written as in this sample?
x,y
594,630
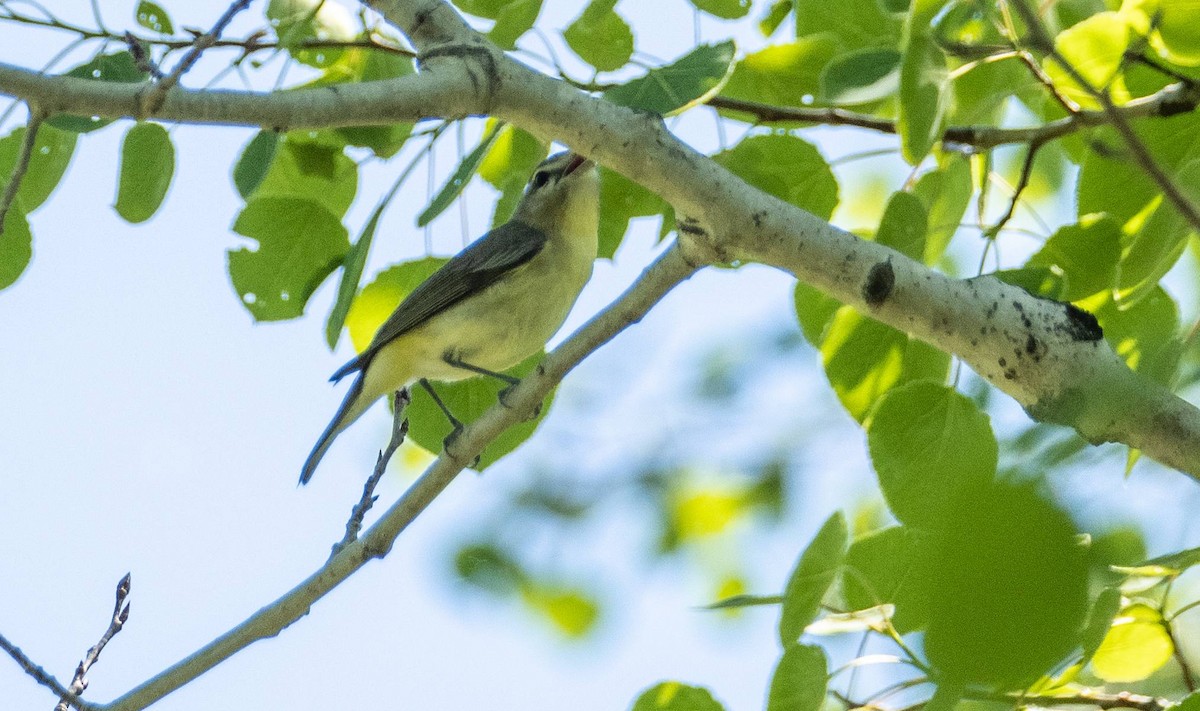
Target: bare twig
x,y
1085,697
399,432
153,99
39,674
1022,183
14,181
1118,120
119,616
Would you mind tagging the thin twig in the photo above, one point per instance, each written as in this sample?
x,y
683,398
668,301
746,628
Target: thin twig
x,y
119,616
39,674
399,432
36,117
1022,183
153,99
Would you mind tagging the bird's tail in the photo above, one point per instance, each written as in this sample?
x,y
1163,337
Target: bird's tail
x,y
347,413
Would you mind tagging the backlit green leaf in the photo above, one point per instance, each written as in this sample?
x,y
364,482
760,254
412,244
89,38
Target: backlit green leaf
x,y
814,573
312,166
725,9
933,449
785,74
884,567
679,85
860,77
814,310
674,696
787,167
903,226
853,24
1096,49
1136,646
600,37
799,681
946,193
458,179
924,99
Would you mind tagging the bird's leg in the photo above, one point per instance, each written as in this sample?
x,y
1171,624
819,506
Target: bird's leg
x,y
455,423
456,362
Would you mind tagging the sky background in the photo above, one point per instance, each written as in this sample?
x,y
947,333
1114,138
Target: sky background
x,y
148,425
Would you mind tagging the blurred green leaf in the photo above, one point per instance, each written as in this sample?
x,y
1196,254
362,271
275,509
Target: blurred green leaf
x,y
600,37
16,245
571,611
154,18
739,601
1085,253
299,21
946,193
1158,244
52,151
799,680
884,567
812,577
147,166
1142,332
299,243
923,83
724,9
787,167
1104,610
458,179
784,74
854,24
514,19
679,85
489,567
674,696
1007,587
1179,561
861,76
933,450
254,162
775,16
864,359
903,226
116,67
1136,646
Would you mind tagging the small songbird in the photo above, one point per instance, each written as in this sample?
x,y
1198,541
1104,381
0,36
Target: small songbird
x,y
492,305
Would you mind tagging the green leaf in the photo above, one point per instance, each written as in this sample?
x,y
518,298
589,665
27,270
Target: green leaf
x,y
810,580
490,567
600,37
117,67
862,76
298,21
933,450
299,242
903,226
814,310
1007,587
739,601
1179,561
514,154
514,19
52,151
380,298
854,24
946,193
775,16
681,84
784,74
1136,646
799,681
571,611
884,567
363,65
154,18
1104,611
1143,331
312,166
147,166
787,167
674,696
621,199
489,9
16,245
1160,241
1039,281
1176,22
458,180
254,162
1096,49
864,359
1085,254
923,84
724,9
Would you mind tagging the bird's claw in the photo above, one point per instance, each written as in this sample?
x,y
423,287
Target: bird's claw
x,y
503,398
448,444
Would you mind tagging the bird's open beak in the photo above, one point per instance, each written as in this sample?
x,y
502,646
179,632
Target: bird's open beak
x,y
577,161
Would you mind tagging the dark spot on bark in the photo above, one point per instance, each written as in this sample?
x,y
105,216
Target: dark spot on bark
x,y
879,284
758,218
1010,374
1003,363
1081,325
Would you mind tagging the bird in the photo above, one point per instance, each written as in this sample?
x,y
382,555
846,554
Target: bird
x,y
489,307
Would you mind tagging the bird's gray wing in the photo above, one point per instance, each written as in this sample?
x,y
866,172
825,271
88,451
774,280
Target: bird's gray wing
x,y
475,268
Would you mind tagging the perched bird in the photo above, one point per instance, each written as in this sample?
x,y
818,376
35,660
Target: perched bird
x,y
492,305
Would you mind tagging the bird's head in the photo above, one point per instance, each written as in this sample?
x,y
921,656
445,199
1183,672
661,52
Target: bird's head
x,y
563,197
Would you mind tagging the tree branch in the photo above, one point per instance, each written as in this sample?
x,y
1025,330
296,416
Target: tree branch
x,y
663,275
120,616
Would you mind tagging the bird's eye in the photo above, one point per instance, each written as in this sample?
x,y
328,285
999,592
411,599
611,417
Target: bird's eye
x,y
540,178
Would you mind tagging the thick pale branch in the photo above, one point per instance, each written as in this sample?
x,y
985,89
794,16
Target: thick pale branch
x,y
662,276
1050,357
448,92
